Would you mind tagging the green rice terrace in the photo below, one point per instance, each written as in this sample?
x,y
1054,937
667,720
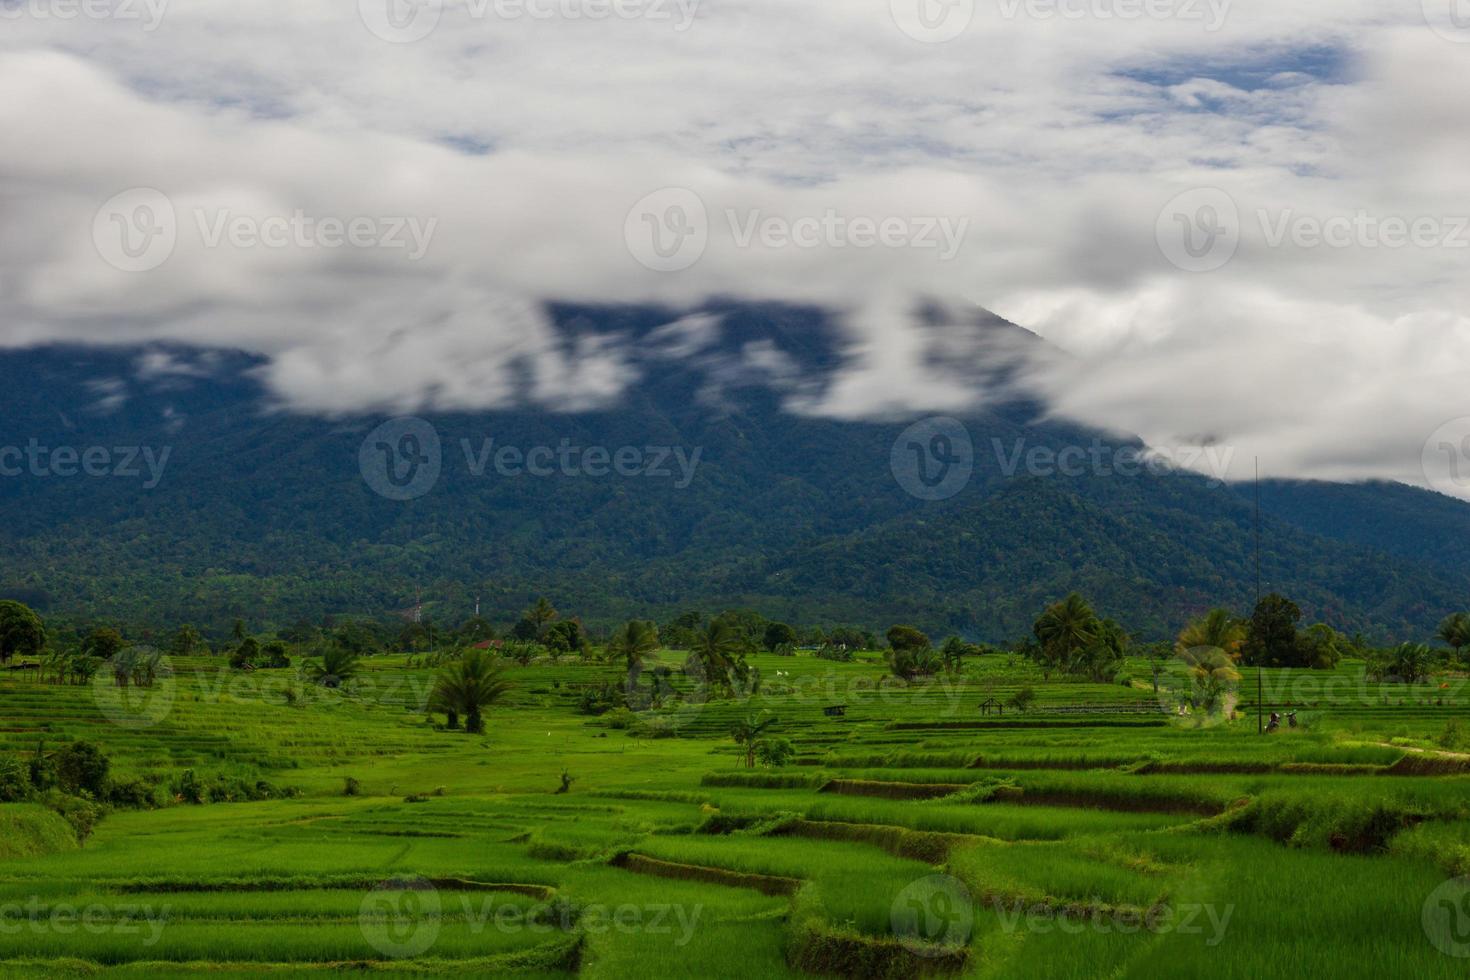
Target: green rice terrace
x,y
898,829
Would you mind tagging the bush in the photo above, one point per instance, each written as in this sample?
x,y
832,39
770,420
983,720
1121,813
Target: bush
x,y
620,719
81,814
15,782
351,787
1454,736
134,793
82,768
774,752
600,699
655,727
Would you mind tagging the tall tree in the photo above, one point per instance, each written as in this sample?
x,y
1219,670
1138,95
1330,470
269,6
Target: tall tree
x,y
718,652
631,643
1455,632
1217,629
1065,629
103,642
22,633
1272,638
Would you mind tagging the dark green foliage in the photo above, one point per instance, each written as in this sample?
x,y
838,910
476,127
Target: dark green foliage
x,y
103,643
274,655
81,768
778,634
15,782
467,687
246,654
774,752
565,636
22,634
906,638
1272,638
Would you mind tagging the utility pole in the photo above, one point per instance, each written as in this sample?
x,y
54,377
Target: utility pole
x,y
1260,697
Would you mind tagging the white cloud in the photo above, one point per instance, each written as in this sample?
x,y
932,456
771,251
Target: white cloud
x,y
519,145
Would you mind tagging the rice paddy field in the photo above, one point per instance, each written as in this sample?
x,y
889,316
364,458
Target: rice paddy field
x,y
1096,834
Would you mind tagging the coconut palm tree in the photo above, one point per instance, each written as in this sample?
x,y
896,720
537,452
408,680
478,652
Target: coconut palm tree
x,y
632,643
1212,672
467,687
1215,630
717,651
1455,632
1065,629
1411,662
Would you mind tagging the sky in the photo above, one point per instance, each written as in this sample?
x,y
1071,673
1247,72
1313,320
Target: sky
x,y
1243,224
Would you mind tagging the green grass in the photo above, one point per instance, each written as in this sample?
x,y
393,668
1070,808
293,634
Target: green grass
x,y
1092,804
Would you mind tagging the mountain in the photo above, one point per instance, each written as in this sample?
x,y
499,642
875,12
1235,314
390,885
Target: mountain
x,y
268,515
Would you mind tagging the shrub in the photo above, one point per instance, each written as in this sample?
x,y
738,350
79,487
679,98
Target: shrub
x,y
15,782
81,814
619,718
351,787
82,768
134,793
774,752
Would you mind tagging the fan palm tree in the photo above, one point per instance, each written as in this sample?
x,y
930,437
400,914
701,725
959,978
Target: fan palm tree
x,y
337,666
467,687
747,732
1215,630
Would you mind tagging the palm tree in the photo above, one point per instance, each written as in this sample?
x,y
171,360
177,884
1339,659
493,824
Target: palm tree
x,y
717,650
467,687
1411,662
633,642
1066,628
1211,670
1455,632
337,666
1215,630
747,732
